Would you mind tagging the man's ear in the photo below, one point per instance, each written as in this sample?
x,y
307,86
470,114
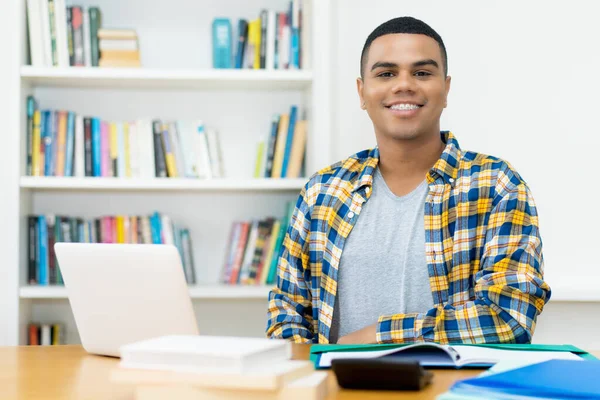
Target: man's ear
x,y
359,87
448,80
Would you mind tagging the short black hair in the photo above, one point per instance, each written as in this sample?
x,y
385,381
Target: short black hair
x,y
403,25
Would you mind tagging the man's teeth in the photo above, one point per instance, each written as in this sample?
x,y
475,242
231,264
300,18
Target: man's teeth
x,y
404,107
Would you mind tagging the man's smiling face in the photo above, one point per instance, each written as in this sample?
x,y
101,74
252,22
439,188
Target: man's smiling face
x,y
403,88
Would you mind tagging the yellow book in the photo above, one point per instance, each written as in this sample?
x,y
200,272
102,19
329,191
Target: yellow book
x,y
114,149
297,152
120,229
127,150
169,156
56,336
254,40
61,143
284,122
260,155
36,145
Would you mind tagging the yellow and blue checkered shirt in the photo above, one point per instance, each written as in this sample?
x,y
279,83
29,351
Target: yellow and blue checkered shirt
x,y
482,244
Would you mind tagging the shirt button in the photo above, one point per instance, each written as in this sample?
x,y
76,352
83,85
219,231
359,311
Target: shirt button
x,y
368,189
350,214
451,180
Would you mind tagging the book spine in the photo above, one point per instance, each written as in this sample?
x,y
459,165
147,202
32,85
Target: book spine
x,y
51,220
96,161
87,133
61,144
241,44
33,337
289,141
36,144
275,260
222,38
70,143
43,251
70,30
105,169
52,21
168,151
159,158
190,271
78,36
48,145
79,147
121,143
30,111
240,251
114,150
87,42
271,147
264,21
95,22
270,39
32,250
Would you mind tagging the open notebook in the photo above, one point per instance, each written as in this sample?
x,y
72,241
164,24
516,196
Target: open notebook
x,y
457,356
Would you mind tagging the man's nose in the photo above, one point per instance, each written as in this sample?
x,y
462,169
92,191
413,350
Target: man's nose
x,y
403,82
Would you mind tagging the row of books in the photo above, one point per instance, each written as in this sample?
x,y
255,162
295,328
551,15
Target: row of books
x,y
45,334
45,230
282,153
63,36
271,41
63,143
253,249
158,368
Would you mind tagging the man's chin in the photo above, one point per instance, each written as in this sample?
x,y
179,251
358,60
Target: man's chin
x,y
407,134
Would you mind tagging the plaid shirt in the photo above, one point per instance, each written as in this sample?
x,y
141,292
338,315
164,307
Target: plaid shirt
x,y
483,251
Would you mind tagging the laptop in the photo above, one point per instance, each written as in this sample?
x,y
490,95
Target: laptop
x,y
123,293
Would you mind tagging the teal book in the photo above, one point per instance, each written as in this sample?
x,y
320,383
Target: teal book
x,y
222,41
447,356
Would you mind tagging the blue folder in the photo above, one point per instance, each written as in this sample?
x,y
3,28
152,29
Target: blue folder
x,y
554,379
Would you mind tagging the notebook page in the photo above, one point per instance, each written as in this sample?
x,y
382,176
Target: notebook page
x,y
483,355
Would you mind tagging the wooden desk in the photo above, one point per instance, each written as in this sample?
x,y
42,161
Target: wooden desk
x,y
68,372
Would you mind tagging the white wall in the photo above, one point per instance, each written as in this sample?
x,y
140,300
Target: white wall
x,y
525,84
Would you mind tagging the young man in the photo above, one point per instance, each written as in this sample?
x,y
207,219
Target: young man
x,y
414,240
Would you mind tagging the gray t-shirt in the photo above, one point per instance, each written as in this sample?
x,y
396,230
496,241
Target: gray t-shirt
x,y
383,269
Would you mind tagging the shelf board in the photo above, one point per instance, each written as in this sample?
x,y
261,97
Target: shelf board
x,y
196,292
159,184
96,77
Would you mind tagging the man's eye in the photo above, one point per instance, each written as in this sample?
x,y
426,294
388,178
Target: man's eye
x,y
422,73
385,74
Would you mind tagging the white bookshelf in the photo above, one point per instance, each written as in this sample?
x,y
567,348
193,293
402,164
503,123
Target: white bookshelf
x,y
158,184
176,82
167,78
196,292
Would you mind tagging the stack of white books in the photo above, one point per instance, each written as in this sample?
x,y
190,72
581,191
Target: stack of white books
x,y
211,367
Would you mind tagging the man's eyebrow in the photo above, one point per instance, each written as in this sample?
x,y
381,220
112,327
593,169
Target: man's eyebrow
x,y
421,63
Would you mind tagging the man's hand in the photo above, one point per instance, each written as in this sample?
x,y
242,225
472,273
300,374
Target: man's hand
x,y
362,336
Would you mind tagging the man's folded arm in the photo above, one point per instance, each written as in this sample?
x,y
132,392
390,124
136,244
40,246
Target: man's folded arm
x,y
509,289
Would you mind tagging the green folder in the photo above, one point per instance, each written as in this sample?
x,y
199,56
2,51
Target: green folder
x,y
317,349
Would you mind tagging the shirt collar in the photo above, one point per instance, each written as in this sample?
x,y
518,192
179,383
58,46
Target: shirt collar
x,y
446,167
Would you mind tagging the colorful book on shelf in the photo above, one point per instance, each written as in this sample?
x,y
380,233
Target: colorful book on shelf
x,y
63,143
252,250
272,40
222,39
45,230
45,334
